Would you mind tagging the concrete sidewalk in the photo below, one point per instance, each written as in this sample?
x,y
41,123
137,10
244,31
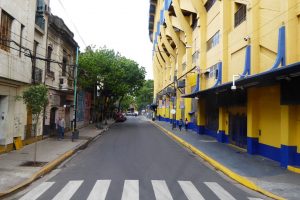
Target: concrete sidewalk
x,y
263,172
51,151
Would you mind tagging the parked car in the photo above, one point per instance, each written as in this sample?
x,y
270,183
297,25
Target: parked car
x,y
120,117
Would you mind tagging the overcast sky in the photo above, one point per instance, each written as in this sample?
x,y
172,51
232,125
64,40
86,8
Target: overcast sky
x,y
118,24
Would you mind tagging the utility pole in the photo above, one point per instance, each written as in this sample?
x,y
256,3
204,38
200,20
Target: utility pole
x,y
75,95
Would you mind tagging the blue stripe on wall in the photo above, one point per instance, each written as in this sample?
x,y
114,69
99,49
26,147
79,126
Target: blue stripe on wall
x,y
286,155
269,152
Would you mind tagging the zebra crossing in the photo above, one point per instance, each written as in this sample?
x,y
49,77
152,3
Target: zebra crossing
x,y
130,190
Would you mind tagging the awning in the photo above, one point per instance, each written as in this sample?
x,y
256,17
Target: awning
x,y
265,78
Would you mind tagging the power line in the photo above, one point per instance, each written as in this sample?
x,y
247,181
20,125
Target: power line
x,y
28,53
75,27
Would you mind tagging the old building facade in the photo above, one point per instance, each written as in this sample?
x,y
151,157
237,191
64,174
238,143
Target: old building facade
x,y
22,32
61,47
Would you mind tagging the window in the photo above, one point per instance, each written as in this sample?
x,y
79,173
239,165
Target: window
x,y
194,21
209,4
64,65
195,57
183,66
39,16
240,14
213,71
213,41
35,70
21,39
49,54
5,31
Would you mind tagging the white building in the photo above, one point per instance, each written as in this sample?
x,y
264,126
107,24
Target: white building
x,y
22,23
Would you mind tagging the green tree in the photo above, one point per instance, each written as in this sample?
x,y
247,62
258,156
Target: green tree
x,y
144,96
35,98
113,76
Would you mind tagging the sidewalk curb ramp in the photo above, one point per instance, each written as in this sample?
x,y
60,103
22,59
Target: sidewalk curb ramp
x,y
240,179
50,166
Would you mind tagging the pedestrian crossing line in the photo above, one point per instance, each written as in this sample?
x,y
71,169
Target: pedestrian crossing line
x,y
219,191
99,190
130,190
161,190
67,192
190,190
37,191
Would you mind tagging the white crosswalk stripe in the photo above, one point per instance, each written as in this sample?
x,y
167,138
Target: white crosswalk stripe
x,y
161,190
37,191
131,190
99,190
219,191
67,192
190,190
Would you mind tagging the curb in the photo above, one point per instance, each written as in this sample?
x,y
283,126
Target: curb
x,y
240,179
51,165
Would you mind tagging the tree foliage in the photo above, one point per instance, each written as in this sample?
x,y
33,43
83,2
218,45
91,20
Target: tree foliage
x,y
35,98
144,96
115,76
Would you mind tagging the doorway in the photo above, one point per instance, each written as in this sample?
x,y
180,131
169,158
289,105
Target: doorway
x,y
3,119
53,121
238,130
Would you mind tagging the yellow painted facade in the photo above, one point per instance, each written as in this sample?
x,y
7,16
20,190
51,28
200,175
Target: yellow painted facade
x,y
226,41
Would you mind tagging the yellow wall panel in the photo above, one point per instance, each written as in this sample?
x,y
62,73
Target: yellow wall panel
x,y
213,12
269,112
236,63
213,26
298,45
267,59
298,127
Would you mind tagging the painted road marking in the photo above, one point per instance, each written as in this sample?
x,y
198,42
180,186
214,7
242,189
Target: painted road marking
x,y
219,191
67,192
161,190
99,190
190,190
131,190
37,191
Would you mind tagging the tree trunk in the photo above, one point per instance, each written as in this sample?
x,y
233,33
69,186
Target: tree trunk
x,y
35,135
119,107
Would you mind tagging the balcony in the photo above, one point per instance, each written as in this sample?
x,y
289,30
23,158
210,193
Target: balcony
x,y
65,84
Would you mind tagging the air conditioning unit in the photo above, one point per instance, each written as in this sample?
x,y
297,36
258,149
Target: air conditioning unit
x,y
63,83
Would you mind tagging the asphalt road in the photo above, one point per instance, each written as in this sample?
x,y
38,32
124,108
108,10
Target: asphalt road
x,y
135,160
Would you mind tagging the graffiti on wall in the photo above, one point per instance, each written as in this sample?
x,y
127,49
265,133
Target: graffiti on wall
x,y
83,106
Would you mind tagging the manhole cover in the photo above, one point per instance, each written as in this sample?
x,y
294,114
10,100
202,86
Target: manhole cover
x,y
33,164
